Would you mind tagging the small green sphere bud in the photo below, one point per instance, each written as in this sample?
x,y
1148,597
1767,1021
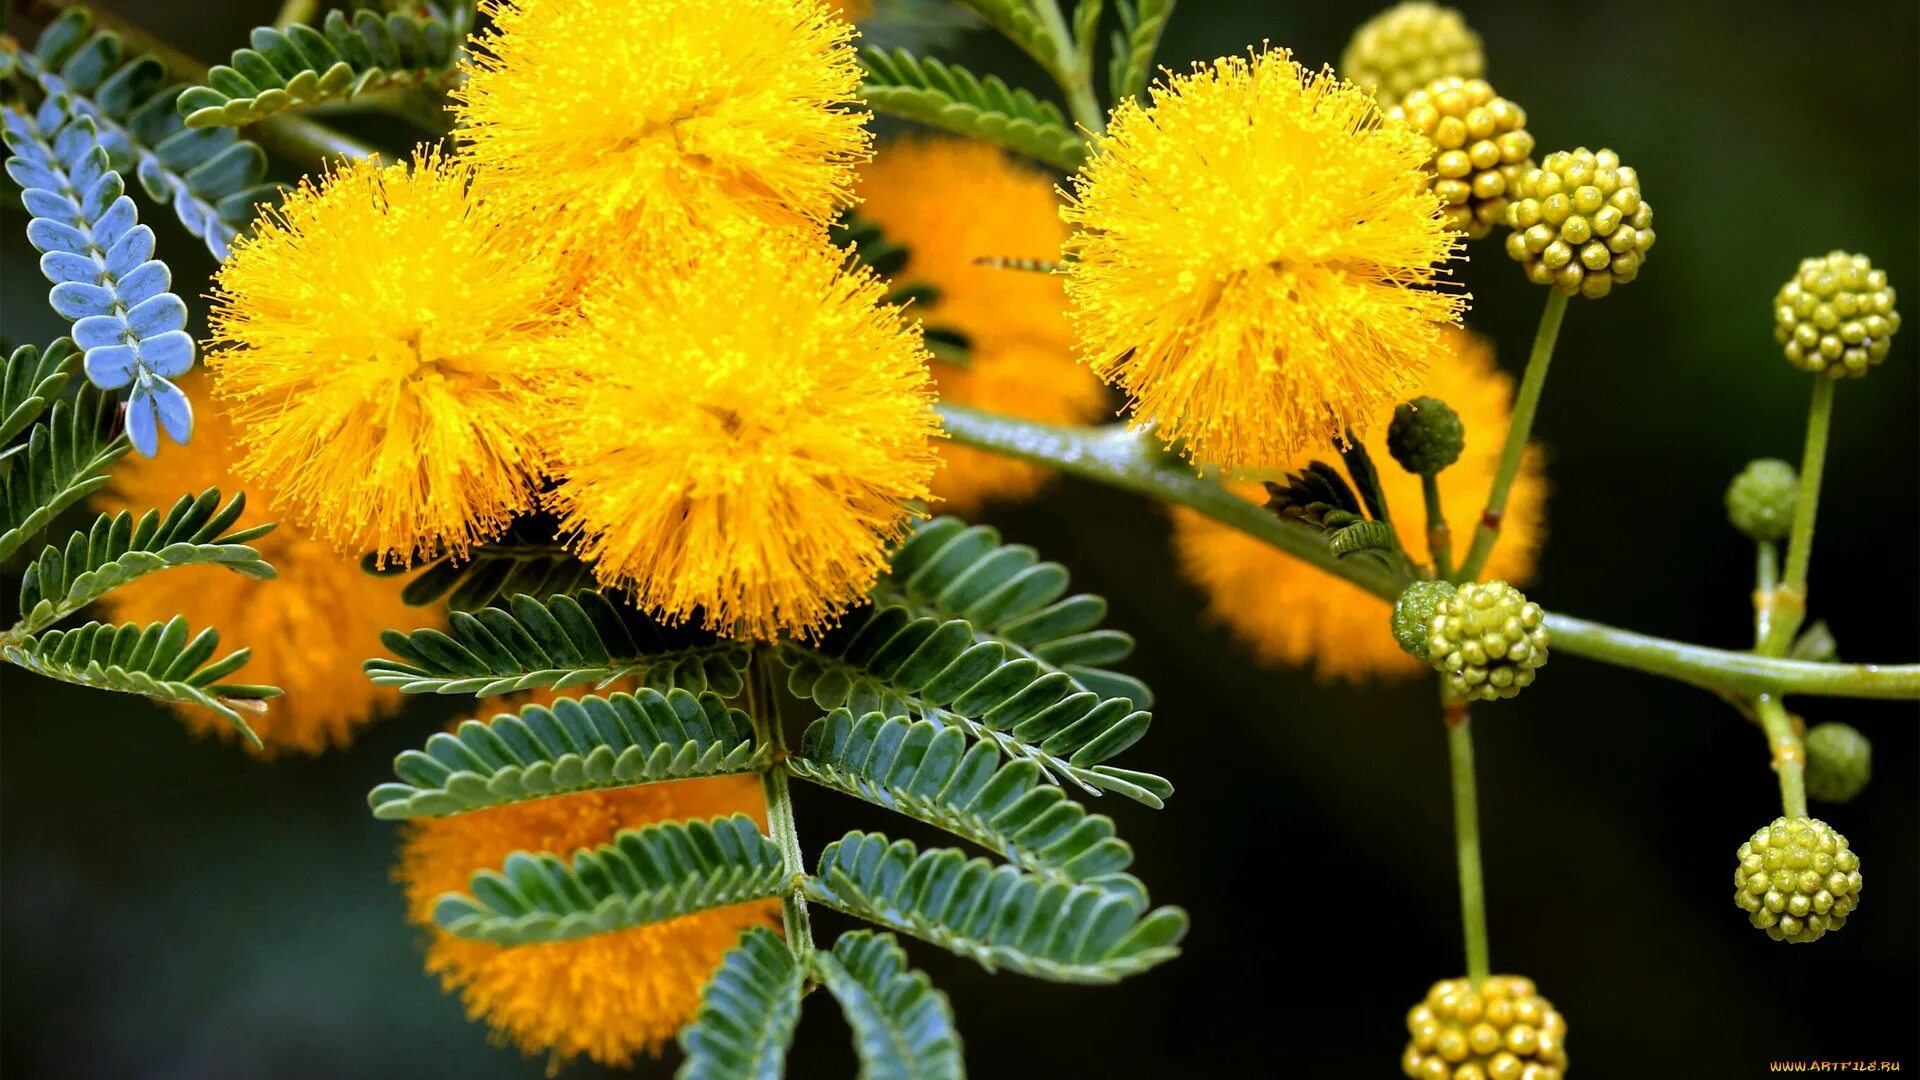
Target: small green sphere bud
x,y
1480,148
1761,499
1413,614
1579,222
1425,436
1797,879
1503,1029
1836,316
1486,641
1839,762
1408,46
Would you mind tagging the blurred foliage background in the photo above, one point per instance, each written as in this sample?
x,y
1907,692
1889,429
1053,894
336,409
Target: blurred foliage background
x,y
175,909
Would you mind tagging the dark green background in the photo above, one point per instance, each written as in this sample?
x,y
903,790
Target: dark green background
x,y
174,909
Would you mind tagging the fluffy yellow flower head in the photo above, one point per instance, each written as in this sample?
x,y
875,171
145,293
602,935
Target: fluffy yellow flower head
x,y
649,117
1289,612
610,997
371,337
309,629
951,202
752,425
1256,259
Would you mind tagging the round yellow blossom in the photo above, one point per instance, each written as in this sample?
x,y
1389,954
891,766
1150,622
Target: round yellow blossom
x,y
644,118
950,203
1257,258
753,425
309,629
371,338
610,997
1291,613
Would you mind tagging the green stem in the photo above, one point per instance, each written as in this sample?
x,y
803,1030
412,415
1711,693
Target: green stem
x,y
1789,753
1439,537
763,708
1790,599
1766,576
1466,841
1122,459
1525,404
1071,71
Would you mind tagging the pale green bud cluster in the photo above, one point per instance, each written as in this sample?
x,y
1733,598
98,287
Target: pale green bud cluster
x,y
1502,1031
1408,46
1480,148
1797,879
1836,315
1413,614
1425,435
1486,641
1580,223
1761,499
1839,762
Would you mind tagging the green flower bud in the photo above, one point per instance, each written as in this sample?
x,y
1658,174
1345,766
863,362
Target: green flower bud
x,y
1797,879
1408,46
1413,614
1761,499
1480,148
1839,762
1580,223
1836,315
1425,436
1486,641
1503,1029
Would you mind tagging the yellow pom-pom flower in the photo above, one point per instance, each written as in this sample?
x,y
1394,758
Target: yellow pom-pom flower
x,y
951,203
751,429
309,629
1291,613
1256,259
372,338
610,997
645,118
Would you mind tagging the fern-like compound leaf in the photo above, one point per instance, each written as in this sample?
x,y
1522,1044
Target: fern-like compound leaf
x,y
63,460
1021,24
212,179
951,98
930,771
529,558
998,916
574,745
747,1013
951,570
1134,45
100,261
160,661
565,641
902,1026
299,66
30,383
118,549
647,875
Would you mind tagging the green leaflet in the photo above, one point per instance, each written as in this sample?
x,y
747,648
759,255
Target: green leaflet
x,y
902,1026
63,460
747,1013
951,98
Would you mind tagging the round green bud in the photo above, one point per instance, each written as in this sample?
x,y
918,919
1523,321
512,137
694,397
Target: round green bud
x,y
1839,762
1761,499
1480,148
1579,222
1503,1029
1486,641
1413,614
1797,879
1408,46
1425,436
1836,316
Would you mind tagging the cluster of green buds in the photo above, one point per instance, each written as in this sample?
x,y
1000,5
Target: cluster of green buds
x,y
1408,46
1836,316
1425,435
1797,879
1480,148
1487,640
1580,223
1761,499
1839,762
1503,1030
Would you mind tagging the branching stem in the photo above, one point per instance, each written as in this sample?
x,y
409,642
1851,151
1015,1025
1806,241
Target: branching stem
x,y
1070,69
1790,597
1439,537
1466,839
763,708
1525,404
1789,753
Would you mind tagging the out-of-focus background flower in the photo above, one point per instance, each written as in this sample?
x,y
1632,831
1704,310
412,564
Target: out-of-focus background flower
x,y
175,908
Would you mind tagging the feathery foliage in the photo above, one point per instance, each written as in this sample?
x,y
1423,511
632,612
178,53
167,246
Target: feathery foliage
x,y
747,1014
1021,24
1134,44
29,385
902,1026
62,460
577,744
950,97
529,558
299,66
